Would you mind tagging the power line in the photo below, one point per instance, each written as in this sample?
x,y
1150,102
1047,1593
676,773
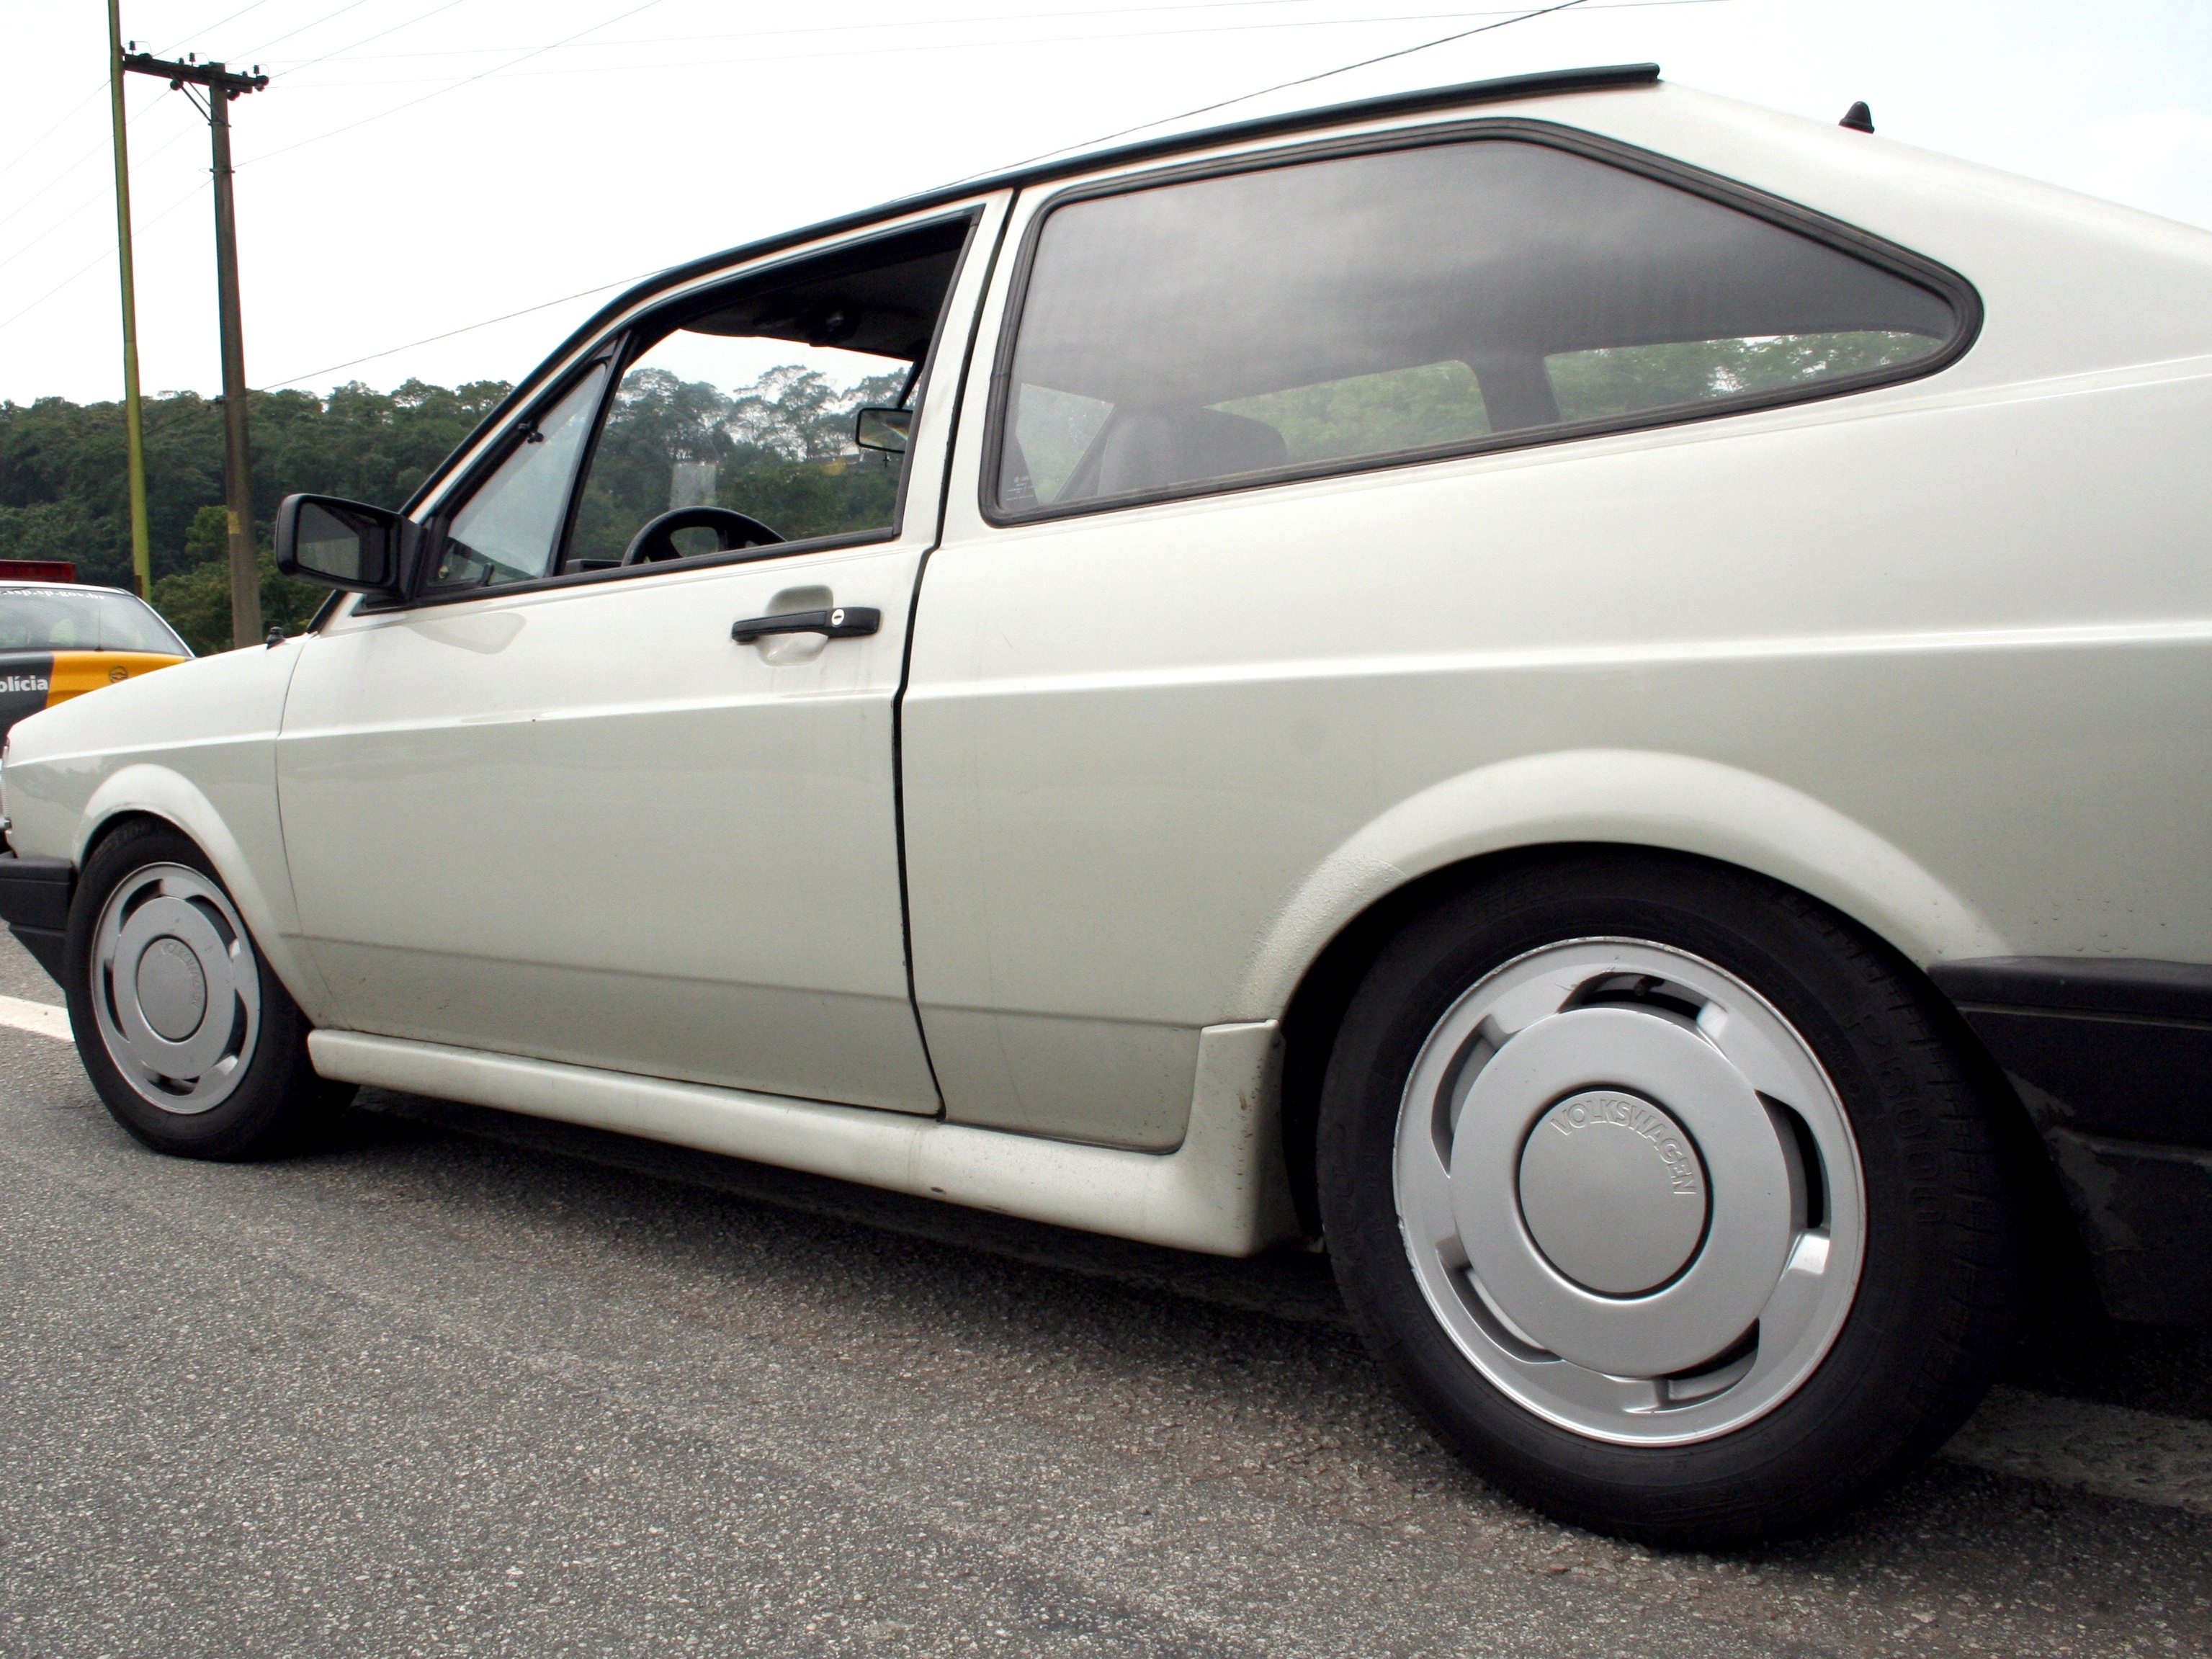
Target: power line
x,y
68,168
1283,85
1507,21
539,51
251,5
1034,40
104,255
421,17
995,18
8,166
350,5
465,328
1301,81
80,209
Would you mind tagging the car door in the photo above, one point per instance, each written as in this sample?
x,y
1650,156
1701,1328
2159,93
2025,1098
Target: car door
x,y
1309,484
552,806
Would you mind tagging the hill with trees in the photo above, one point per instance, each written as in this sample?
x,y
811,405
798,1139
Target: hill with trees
x,y
782,444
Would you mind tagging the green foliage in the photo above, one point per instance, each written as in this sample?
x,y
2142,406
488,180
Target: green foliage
x,y
197,599
64,491
1054,428
782,450
1623,380
1373,414
208,537
46,530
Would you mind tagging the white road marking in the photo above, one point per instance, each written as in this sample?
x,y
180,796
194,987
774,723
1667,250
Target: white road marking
x,y
2108,1449
44,1018
2111,1450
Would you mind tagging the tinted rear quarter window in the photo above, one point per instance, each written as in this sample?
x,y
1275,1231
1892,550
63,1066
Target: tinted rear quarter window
x,y
1384,306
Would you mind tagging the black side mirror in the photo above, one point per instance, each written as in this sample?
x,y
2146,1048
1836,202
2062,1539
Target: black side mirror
x,y
340,544
884,430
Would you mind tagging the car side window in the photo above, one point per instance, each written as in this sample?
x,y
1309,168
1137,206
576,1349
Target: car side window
x,y
1370,307
742,404
509,528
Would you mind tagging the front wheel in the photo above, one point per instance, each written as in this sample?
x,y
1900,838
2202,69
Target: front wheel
x,y
1663,1196
192,1043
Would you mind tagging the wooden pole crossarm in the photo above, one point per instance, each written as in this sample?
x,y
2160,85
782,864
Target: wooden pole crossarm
x,y
214,76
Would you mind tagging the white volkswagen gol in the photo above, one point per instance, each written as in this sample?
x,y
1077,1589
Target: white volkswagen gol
x,y
1592,694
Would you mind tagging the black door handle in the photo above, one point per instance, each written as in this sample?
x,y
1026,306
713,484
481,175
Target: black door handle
x,y
846,622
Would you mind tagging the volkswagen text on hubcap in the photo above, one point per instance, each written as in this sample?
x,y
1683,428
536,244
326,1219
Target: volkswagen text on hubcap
x,y
175,989
1629,1191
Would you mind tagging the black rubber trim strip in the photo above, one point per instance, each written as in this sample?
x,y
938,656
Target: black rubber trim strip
x,y
2145,1215
34,892
1602,78
2128,986
974,332
48,948
2111,1056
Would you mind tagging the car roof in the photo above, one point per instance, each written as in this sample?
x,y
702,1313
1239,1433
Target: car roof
x,y
1043,170
19,586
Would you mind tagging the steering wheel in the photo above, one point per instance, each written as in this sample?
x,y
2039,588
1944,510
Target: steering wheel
x,y
655,538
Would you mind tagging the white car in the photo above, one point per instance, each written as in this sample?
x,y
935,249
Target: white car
x,y
1594,697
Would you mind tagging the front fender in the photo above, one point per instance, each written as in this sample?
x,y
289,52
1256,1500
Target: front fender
x,y
263,897
1633,797
195,745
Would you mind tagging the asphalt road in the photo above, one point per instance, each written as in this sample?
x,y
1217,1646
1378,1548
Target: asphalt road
x,y
464,1383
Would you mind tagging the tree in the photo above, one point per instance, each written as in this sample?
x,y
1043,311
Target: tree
x,y
197,599
781,449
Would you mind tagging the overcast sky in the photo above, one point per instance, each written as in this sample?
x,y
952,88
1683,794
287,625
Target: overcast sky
x,y
417,166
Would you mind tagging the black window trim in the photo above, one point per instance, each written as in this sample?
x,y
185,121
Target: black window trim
x,y
617,352
418,590
1545,83
1845,238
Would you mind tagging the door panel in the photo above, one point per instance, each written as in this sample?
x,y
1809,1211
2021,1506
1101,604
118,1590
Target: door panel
x,y
584,824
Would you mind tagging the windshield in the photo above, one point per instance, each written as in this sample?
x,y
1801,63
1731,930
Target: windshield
x,y
91,619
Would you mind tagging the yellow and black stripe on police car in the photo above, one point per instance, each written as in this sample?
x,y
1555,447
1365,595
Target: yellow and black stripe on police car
x,y
32,680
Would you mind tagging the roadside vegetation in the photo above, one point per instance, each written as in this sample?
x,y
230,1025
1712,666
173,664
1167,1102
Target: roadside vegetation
x,y
783,449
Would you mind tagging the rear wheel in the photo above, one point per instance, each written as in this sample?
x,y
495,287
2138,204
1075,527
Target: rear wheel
x,y
1664,1198
193,1044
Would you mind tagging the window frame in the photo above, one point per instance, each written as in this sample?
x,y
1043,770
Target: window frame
x,y
607,355
617,350
1847,239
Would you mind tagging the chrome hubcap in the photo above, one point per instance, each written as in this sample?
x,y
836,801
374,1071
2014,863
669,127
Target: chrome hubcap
x,y
175,989
1629,1191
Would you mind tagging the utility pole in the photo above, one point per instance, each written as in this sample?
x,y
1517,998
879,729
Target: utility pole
x,y
237,462
134,425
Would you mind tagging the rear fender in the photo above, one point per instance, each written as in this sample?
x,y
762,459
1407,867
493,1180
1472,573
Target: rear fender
x,y
1632,796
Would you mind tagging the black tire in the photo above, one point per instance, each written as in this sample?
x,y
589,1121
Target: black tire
x,y
1938,1299
276,1104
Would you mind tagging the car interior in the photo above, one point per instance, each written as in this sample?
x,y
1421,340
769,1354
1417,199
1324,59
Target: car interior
x,y
731,426
1471,290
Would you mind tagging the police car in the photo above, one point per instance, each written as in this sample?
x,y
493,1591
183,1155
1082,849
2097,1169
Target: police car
x,y
58,641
